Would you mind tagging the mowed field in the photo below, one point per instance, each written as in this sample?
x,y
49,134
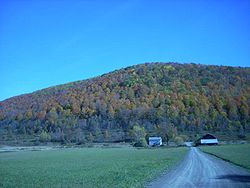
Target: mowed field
x,y
86,167
238,154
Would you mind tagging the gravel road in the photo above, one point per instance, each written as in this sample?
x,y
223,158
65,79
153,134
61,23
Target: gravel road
x,y
199,169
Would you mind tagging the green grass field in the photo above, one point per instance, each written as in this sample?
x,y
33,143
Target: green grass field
x,y
87,167
238,154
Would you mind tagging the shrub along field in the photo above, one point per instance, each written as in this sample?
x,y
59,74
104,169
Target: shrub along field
x,y
238,154
86,167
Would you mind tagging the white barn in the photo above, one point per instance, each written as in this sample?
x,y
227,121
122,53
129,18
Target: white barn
x,y
207,139
155,141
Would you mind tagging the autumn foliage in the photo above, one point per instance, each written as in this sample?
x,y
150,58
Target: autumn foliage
x,y
155,96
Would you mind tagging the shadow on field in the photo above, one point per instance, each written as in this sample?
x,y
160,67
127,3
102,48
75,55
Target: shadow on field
x,y
234,177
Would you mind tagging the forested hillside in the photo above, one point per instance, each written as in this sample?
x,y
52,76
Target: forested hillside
x,y
164,98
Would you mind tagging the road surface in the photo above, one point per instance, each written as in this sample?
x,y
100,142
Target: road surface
x,y
199,169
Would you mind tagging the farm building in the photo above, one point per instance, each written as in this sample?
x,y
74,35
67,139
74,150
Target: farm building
x,y
207,139
155,141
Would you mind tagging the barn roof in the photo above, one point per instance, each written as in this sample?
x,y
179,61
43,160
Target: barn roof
x,y
154,138
208,136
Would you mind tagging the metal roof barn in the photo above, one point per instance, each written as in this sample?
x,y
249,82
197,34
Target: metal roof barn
x,y
207,139
155,141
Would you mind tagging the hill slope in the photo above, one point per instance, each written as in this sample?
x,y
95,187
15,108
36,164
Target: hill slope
x,y
161,97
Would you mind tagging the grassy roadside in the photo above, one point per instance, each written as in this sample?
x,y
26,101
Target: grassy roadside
x,y
87,167
238,154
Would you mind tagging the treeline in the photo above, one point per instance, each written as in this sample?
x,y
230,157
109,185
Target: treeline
x,y
160,97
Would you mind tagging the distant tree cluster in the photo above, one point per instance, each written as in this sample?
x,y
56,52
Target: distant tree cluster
x,y
163,99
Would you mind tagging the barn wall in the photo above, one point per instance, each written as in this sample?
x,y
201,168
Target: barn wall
x,y
209,141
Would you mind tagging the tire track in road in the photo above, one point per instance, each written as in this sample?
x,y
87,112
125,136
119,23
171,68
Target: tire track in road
x,y
199,169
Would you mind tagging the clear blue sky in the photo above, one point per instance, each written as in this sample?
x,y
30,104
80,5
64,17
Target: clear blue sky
x,y
50,42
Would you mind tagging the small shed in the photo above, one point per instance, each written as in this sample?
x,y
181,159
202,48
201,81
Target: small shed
x,y
207,139
155,141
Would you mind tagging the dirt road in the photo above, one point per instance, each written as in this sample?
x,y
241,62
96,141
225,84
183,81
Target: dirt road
x,y
199,169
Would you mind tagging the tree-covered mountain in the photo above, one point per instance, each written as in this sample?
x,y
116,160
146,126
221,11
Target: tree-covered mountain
x,y
163,98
